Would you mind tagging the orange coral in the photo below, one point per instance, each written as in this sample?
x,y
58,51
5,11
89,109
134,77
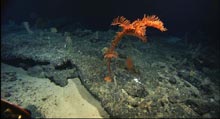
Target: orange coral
x,y
129,64
108,79
136,28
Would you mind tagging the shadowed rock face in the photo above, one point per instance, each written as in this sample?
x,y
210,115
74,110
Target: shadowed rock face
x,y
58,72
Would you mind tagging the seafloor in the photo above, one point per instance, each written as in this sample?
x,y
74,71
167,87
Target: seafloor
x,y
170,77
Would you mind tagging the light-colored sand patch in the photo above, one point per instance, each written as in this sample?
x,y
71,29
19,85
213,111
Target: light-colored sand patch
x,y
71,101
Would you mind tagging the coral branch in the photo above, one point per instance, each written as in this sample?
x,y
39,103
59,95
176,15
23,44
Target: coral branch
x,y
122,21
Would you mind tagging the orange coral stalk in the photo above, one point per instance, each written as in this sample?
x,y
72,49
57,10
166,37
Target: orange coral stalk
x,y
136,28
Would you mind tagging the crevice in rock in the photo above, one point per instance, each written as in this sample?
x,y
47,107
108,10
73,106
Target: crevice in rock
x,y
24,63
64,65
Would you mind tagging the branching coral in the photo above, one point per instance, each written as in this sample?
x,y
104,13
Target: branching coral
x,y
137,28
